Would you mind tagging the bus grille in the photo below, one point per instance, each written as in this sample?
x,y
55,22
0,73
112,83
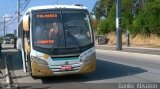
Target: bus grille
x,y
75,67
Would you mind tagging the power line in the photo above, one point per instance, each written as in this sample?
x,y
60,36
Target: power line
x,y
12,21
4,25
25,5
8,22
6,7
21,6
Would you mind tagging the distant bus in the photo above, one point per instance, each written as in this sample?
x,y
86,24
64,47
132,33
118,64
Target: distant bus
x,y
56,40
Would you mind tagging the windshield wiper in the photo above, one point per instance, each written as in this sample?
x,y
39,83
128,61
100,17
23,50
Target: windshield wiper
x,y
74,40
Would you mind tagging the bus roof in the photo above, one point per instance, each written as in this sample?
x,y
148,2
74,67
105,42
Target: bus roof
x,y
57,7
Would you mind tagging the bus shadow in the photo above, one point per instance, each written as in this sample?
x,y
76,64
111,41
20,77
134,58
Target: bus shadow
x,y
104,70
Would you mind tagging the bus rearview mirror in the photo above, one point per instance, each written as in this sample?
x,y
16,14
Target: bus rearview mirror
x,y
93,20
26,23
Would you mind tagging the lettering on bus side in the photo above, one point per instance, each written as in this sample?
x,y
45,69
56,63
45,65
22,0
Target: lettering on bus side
x,y
84,54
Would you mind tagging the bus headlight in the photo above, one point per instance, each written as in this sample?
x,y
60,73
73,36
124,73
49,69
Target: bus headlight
x,y
90,57
39,61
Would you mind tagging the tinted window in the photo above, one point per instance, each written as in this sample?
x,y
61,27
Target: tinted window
x,y
61,29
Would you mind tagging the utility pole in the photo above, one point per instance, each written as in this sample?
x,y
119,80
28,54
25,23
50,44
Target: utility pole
x,y
18,10
57,2
4,26
18,14
118,25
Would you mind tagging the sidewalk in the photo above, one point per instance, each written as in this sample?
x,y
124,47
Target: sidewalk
x,y
151,51
2,74
2,65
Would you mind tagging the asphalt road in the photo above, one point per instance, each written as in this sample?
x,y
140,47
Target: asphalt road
x,y
113,68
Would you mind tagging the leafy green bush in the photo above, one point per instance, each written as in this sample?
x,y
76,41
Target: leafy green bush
x,y
102,28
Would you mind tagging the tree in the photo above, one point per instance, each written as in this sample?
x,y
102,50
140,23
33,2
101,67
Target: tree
x,y
147,21
102,7
109,18
127,16
138,16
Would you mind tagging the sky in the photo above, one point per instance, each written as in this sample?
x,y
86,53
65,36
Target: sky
x,y
9,7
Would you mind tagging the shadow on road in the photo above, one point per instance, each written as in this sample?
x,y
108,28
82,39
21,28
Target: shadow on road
x,y
104,70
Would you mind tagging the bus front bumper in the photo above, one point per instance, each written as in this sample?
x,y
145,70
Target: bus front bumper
x,y
43,71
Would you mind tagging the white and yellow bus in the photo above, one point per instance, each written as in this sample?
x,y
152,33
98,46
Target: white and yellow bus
x,y
56,40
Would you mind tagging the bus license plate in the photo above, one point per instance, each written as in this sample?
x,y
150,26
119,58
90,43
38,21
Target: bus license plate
x,y
67,67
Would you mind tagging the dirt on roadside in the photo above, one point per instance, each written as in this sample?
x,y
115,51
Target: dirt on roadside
x,y
138,41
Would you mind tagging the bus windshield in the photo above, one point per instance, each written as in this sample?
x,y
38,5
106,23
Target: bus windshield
x,y
61,29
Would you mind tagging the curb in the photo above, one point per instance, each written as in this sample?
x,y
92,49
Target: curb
x,y
129,47
147,51
8,80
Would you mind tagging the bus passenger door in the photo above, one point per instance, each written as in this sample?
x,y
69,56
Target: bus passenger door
x,y
27,52
23,52
26,44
